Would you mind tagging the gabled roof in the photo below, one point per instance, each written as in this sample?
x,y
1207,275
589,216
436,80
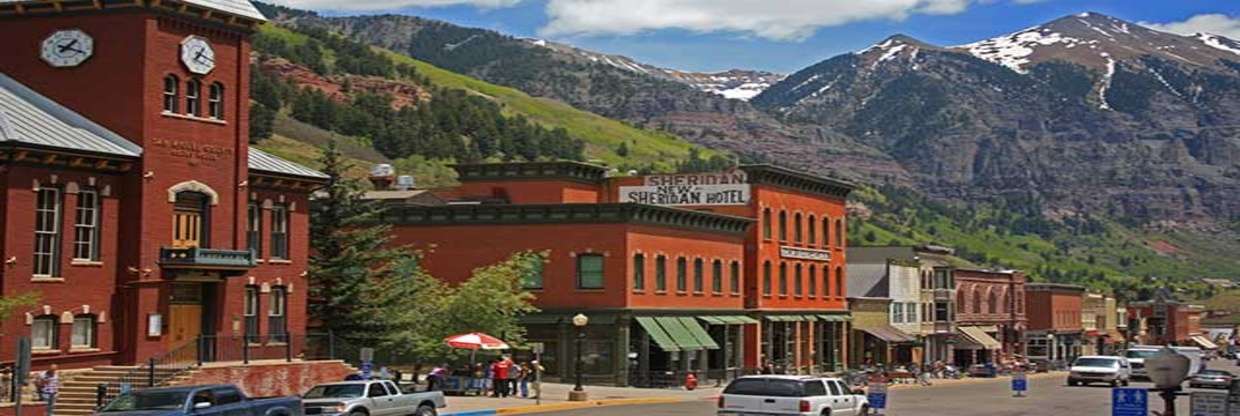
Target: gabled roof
x,y
29,118
242,8
266,162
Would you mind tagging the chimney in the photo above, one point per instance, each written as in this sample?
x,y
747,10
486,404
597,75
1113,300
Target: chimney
x,y
382,176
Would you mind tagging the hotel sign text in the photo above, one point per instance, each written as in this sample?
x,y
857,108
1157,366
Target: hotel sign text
x,y
727,188
804,253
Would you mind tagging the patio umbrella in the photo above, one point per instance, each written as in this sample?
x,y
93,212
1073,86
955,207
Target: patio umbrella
x,y
475,341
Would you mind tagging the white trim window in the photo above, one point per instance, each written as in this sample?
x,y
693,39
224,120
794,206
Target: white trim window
x,y
47,232
83,332
279,232
171,85
193,94
215,101
43,331
276,324
251,314
86,227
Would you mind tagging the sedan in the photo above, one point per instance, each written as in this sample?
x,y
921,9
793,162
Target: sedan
x,y
1212,379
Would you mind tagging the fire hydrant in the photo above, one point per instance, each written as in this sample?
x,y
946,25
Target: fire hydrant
x,y
690,382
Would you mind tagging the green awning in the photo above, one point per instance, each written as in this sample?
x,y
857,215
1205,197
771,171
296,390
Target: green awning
x,y
714,320
728,320
742,319
657,334
699,333
835,318
786,318
810,318
678,332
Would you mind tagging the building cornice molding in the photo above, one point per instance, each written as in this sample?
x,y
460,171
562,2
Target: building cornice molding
x,y
797,180
566,214
15,153
564,170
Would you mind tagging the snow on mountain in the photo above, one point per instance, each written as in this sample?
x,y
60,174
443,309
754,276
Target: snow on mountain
x,y
1219,42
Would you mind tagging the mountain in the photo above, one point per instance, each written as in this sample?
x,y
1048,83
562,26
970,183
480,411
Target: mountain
x,y
1085,114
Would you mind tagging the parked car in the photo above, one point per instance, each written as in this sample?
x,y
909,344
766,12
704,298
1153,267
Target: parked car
x,y
1100,369
370,398
1212,379
791,395
208,400
982,370
1137,354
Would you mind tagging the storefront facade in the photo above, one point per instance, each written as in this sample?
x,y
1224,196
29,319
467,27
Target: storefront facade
x,y
1056,332
990,318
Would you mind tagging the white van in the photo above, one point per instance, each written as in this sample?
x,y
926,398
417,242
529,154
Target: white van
x,y
1137,354
790,395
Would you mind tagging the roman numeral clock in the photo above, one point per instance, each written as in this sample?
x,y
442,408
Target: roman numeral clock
x,y
67,48
197,55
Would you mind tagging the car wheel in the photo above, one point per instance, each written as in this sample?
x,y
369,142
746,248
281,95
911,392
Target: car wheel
x,y
1125,382
357,413
827,412
1114,383
425,410
1071,383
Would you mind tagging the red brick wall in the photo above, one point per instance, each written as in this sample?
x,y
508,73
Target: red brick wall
x,y
674,244
274,379
528,191
793,202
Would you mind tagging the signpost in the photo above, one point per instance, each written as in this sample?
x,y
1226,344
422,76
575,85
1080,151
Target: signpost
x,y
367,356
1020,384
876,394
1129,402
20,372
1208,404
537,348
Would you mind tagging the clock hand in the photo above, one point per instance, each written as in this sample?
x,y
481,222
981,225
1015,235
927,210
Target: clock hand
x,y
69,47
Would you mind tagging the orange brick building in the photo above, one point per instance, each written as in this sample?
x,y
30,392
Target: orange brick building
x,y
712,273
1055,330
130,198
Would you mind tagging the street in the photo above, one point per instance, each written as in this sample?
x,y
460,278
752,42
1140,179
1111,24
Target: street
x,y
1047,395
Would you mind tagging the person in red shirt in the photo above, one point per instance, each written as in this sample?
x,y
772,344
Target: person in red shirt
x,y
499,375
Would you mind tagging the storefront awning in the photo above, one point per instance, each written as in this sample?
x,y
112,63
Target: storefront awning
x,y
684,331
889,334
728,320
785,318
703,338
657,334
835,318
1204,343
977,339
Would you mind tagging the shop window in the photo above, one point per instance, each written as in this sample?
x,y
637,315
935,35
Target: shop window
x,y
660,273
86,226
682,274
811,236
83,332
735,277
215,101
44,333
783,279
698,275
189,220
254,229
172,86
766,223
47,232
783,226
533,278
279,232
798,285
716,276
813,281
193,99
796,228
590,271
639,271
276,308
766,278
251,314
839,281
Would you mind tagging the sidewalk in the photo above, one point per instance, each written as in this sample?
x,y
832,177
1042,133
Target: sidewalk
x,y
555,397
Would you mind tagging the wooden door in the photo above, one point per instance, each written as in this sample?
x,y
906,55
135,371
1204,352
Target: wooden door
x,y
186,229
184,324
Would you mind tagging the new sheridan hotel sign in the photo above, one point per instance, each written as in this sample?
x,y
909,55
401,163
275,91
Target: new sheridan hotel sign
x,y
727,188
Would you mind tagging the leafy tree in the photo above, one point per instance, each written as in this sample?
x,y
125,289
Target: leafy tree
x,y
11,304
261,120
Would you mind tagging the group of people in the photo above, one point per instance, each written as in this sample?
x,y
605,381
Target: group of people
x,y
499,377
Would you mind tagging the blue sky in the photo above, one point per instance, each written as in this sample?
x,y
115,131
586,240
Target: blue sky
x,y
775,35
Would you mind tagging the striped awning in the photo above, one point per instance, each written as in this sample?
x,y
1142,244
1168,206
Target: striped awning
x,y
787,318
657,334
835,318
889,334
977,339
728,320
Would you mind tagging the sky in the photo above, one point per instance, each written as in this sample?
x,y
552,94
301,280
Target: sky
x,y
776,35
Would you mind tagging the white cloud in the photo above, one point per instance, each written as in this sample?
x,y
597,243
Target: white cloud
x,y
771,19
1218,24
355,5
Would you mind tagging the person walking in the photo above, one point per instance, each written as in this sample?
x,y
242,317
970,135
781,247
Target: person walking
x,y
523,379
436,377
499,375
49,387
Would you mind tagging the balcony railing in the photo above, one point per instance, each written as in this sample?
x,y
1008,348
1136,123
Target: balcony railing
x,y
206,258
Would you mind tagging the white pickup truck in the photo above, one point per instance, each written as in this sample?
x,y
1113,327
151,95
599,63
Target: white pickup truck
x,y
369,398
790,395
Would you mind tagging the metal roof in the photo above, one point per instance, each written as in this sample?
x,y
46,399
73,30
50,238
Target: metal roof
x,y
267,162
243,8
30,118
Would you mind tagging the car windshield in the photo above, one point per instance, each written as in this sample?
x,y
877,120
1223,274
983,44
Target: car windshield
x,y
335,391
1214,373
147,400
1096,362
1140,353
773,387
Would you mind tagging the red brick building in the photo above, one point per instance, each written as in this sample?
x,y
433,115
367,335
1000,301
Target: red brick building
x,y
132,201
1055,330
710,272
990,314
1164,320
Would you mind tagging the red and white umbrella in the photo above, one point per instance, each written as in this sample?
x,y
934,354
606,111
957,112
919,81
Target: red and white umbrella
x,y
475,341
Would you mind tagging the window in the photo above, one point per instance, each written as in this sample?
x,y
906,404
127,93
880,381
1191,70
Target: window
x,y
86,226
813,281
47,232
275,315
660,273
215,101
189,222
796,228
910,311
83,332
977,301
254,230
279,232
735,277
698,275
783,226
766,223
533,279
943,278
639,272
783,279
798,286
826,281
826,232
992,303
43,333
897,313
682,274
815,388
589,271
376,390
839,281
716,276
839,234
811,237
171,86
766,278
251,314
193,88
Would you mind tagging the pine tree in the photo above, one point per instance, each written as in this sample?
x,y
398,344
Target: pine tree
x,y
261,120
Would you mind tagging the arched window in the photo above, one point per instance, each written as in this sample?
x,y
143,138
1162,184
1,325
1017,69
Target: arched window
x,y
977,301
796,227
44,332
639,271
698,277
839,233
766,223
682,274
826,281
189,219
660,273
716,276
826,232
83,334
766,278
171,88
839,281
992,303
193,92
735,277
812,237
813,278
215,101
798,286
961,300
783,279
783,226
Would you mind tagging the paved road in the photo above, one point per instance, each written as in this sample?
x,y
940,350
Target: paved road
x,y
1046,396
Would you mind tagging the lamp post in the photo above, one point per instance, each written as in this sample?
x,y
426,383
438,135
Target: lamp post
x,y
578,394
1050,347
1167,370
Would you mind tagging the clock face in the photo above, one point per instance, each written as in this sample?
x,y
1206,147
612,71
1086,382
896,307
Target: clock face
x,y
67,48
197,55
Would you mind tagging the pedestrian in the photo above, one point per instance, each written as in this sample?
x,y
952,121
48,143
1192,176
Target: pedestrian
x,y
499,375
768,368
523,379
482,373
436,377
513,373
49,383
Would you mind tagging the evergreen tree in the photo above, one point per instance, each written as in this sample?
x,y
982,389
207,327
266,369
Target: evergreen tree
x,y
261,120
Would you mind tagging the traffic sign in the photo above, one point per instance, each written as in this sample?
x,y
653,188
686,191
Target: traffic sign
x,y
367,367
876,394
1129,402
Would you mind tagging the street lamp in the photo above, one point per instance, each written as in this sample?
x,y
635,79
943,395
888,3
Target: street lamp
x,y
578,394
1167,370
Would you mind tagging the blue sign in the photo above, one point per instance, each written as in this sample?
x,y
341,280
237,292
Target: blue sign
x,y
877,400
366,368
1019,384
1129,402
